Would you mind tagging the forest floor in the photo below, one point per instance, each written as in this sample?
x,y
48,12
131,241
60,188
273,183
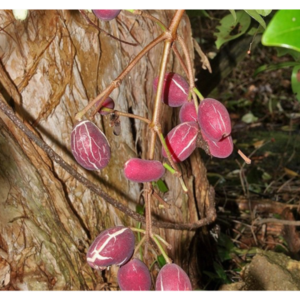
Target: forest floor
x,y
258,203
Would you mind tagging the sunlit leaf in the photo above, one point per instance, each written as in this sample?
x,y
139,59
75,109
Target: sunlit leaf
x,y
264,12
230,30
249,118
295,80
257,17
283,30
232,11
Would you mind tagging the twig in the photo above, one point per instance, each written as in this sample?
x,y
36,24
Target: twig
x,y
124,114
244,157
100,29
190,70
204,59
115,83
211,213
260,221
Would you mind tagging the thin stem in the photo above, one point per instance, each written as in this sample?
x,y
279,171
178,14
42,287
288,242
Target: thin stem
x,y
158,104
190,70
180,59
115,83
211,214
124,114
148,16
198,93
99,29
169,168
139,245
140,241
162,251
166,148
177,172
164,203
148,192
140,230
164,241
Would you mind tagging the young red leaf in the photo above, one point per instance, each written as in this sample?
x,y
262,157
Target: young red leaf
x,y
106,14
142,170
113,246
108,103
134,276
220,149
214,119
188,113
181,141
175,89
90,146
172,278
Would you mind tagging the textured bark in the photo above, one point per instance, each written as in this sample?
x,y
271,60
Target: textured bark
x,y
52,64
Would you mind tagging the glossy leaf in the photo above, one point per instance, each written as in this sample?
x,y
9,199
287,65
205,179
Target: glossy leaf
x,y
283,30
257,17
264,12
233,13
296,81
228,27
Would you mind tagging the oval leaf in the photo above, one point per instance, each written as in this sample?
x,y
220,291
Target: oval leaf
x,y
257,17
264,12
283,30
296,81
228,28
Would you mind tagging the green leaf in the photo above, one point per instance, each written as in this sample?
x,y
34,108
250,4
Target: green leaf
x,y
295,80
162,186
225,241
283,30
249,118
140,209
255,30
232,11
263,12
230,30
223,254
266,68
221,273
161,260
197,13
257,17
284,51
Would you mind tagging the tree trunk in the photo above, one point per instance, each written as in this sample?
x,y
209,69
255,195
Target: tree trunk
x,y
52,64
